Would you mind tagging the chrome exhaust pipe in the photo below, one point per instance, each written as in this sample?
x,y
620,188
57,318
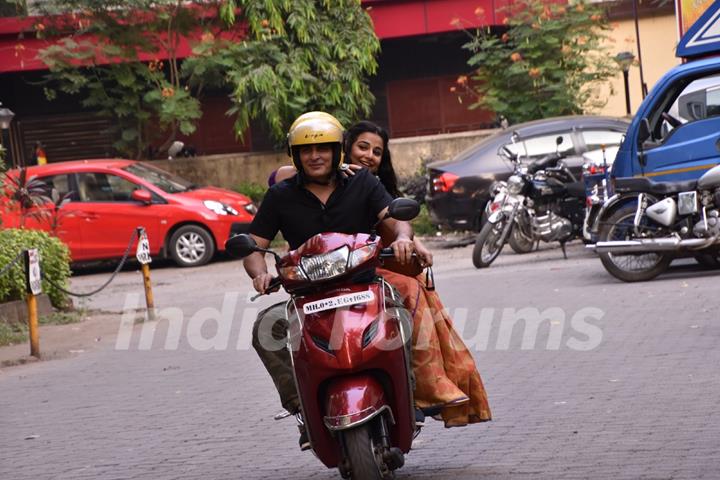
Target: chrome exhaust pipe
x,y
646,245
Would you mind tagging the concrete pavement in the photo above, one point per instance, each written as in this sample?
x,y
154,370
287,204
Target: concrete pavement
x,y
642,403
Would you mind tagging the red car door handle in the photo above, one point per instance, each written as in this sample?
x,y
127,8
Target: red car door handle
x,y
88,216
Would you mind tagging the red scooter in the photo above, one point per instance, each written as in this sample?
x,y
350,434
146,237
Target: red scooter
x,y
348,335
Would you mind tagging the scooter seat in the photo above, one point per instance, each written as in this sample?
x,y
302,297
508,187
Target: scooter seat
x,y
645,185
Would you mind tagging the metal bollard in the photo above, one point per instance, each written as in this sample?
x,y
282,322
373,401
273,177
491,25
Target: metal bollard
x,y
143,256
34,287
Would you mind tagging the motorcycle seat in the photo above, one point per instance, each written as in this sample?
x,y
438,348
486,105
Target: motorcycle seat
x,y
646,185
543,163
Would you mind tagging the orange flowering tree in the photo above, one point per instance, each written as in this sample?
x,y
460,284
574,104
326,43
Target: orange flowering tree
x,y
547,60
273,58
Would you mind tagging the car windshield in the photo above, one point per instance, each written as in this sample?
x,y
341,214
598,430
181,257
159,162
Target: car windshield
x,y
165,181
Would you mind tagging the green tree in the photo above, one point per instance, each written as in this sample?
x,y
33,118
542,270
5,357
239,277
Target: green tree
x,y
298,55
551,60
275,58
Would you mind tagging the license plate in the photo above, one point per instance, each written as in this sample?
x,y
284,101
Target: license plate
x,y
339,301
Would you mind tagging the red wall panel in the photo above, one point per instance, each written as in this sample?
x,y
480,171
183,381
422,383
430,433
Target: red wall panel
x,y
398,20
215,132
441,14
426,106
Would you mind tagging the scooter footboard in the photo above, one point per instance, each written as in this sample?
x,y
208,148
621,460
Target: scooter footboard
x,y
354,400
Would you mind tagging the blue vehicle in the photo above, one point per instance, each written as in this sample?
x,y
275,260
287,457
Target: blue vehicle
x,y
675,134
665,179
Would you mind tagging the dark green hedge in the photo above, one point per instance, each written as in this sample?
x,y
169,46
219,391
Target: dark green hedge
x,y
54,260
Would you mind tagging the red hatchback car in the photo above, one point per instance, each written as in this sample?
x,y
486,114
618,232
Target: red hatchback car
x,y
108,199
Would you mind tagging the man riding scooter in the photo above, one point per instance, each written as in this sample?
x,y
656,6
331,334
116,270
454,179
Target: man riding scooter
x,y
318,199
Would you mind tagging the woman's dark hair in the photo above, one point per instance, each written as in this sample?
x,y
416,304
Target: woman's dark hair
x,y
386,172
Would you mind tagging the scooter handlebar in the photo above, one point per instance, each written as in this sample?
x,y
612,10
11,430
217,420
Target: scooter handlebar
x,y
388,253
273,287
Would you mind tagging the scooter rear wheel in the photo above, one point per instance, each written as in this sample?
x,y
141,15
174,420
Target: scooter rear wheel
x,y
359,448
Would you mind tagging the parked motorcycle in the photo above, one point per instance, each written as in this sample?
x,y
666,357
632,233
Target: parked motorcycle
x,y
649,223
348,342
541,201
596,177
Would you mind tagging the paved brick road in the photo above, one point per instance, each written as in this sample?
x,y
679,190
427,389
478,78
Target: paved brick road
x,y
642,404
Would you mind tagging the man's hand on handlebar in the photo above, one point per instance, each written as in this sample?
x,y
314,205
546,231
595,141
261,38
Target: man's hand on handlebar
x,y
403,248
424,255
262,282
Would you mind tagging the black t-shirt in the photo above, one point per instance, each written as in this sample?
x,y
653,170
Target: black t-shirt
x,y
298,214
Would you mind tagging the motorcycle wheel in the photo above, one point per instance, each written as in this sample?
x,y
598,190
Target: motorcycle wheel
x,y
359,447
487,245
519,242
635,267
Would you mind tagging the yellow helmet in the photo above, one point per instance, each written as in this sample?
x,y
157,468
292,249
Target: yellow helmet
x,y
316,114
314,128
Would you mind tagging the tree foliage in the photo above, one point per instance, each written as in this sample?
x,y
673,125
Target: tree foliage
x,y
275,58
550,61
298,55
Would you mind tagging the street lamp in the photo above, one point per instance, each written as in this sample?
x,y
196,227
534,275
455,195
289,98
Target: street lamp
x,y
625,60
6,116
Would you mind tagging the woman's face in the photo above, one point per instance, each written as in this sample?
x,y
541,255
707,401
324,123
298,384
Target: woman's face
x,y
367,150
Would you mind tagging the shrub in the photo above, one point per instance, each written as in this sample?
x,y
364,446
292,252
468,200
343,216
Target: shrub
x,y
255,191
54,260
415,187
422,224
550,59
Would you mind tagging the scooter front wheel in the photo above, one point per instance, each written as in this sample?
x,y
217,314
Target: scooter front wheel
x,y
361,453
488,244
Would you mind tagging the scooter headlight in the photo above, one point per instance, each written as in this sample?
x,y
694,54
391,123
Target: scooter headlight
x,y
326,265
360,255
515,184
294,273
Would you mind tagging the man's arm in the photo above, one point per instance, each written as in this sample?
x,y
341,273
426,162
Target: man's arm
x,y
403,246
256,267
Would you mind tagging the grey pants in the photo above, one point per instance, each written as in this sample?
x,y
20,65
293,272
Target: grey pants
x,y
269,340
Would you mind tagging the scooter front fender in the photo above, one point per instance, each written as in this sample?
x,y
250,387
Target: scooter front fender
x,y
354,400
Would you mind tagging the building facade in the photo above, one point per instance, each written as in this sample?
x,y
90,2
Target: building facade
x,y
421,58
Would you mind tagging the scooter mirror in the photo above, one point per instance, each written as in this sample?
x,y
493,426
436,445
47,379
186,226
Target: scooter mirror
x,y
404,209
240,246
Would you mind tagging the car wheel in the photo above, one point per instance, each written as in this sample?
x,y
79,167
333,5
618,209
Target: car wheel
x,y
191,246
